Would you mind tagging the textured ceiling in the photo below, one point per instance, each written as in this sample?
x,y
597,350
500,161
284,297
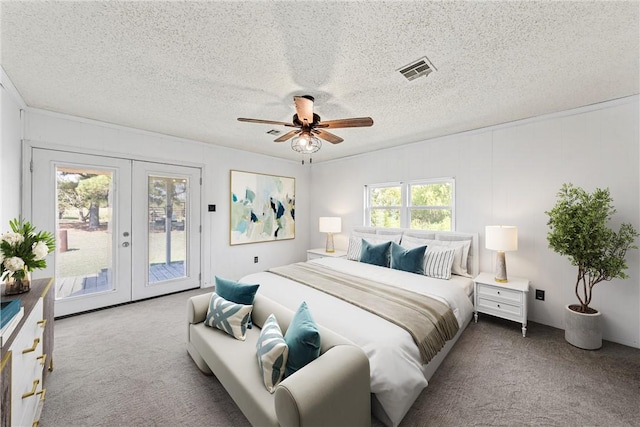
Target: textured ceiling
x,y
189,69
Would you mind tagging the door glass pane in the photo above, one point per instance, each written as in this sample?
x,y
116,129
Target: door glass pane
x,y
168,201
83,231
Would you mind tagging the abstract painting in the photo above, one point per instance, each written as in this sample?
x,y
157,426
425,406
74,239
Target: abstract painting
x,y
262,207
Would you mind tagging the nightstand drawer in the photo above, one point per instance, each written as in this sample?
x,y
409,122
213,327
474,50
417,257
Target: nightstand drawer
x,y
499,308
492,292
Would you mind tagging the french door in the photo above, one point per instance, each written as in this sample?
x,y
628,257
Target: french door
x,y
125,229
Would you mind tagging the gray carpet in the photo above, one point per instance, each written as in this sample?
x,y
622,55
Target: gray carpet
x,y
128,366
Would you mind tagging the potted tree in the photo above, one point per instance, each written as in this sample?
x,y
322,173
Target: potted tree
x,y
579,231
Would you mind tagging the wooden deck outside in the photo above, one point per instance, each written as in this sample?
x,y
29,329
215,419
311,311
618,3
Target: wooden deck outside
x,y
101,282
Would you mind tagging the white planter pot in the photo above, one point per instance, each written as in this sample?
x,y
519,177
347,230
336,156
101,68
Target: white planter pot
x,y
583,330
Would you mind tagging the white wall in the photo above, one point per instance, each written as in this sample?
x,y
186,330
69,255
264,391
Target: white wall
x,y
507,174
46,129
510,175
10,134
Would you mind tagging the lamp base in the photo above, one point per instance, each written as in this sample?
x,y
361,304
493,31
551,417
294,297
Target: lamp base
x,y
329,247
501,268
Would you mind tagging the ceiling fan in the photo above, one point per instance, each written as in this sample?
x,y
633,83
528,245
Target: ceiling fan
x,y
309,126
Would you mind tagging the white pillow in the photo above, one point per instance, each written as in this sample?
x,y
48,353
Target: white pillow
x,y
411,242
228,316
438,261
457,241
272,353
459,265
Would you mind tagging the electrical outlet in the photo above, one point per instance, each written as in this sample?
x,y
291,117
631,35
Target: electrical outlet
x,y
540,294
255,259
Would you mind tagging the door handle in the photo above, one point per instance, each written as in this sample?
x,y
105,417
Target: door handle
x,y
125,244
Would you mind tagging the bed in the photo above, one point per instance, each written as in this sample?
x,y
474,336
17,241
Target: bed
x,y
398,373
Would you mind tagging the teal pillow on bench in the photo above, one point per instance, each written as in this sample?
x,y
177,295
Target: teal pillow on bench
x,y
303,339
411,260
375,254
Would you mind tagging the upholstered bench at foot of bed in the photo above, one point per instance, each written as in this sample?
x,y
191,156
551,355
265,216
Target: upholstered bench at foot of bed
x,y
332,390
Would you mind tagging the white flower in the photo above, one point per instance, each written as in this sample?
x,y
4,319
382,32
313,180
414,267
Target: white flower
x,y
40,250
14,264
13,238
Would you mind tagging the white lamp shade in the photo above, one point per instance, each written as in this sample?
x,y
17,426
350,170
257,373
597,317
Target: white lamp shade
x,y
330,224
501,237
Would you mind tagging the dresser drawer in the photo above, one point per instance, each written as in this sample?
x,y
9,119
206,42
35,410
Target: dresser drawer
x,y
27,352
492,292
311,255
501,309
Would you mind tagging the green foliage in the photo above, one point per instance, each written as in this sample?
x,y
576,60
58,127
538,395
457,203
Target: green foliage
x,y
386,196
579,231
95,189
431,195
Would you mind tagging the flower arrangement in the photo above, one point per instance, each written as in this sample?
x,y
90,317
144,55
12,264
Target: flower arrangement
x,y
23,250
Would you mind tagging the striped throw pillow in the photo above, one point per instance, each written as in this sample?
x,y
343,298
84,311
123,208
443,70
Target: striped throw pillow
x,y
438,261
229,317
272,353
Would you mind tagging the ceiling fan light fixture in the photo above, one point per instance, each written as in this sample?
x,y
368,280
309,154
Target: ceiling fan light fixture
x,y
306,144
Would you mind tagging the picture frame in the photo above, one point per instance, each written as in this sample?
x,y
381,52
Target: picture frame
x,y
262,207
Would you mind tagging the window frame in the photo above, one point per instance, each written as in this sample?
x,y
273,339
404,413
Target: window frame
x,y
406,208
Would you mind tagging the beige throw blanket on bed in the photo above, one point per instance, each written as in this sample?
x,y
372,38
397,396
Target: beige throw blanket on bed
x,y
430,322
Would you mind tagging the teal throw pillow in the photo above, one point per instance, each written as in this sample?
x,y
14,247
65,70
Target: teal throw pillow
x,y
411,260
237,292
303,339
375,254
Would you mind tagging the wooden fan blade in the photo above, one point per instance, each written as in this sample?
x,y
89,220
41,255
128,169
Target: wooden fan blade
x,y
346,123
287,135
266,122
334,139
304,108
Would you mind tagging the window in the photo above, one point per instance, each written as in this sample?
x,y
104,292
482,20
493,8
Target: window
x,y
424,204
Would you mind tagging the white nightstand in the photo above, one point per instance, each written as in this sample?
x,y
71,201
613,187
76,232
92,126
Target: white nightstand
x,y
321,253
506,300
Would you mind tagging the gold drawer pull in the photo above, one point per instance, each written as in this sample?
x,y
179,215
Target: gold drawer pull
x,y
33,390
43,358
42,392
33,347
42,322
35,423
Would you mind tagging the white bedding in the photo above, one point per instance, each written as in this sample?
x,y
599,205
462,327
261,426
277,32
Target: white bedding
x,y
397,375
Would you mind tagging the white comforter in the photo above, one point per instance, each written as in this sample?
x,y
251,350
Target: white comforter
x,y
397,375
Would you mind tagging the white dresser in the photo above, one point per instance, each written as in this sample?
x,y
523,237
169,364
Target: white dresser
x,y
26,355
506,300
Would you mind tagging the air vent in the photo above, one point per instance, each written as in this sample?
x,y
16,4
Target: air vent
x,y
274,132
420,67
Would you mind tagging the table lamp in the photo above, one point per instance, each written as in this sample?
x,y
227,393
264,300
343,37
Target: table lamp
x,y
330,225
501,238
